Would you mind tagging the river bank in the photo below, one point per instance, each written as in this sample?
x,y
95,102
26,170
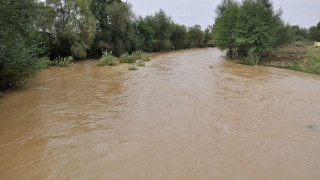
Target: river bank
x,y
298,56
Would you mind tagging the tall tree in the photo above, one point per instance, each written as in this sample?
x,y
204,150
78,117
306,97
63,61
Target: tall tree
x,y
18,58
121,18
103,36
224,30
74,27
162,26
179,36
195,36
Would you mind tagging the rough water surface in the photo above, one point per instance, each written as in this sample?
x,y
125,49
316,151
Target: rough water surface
x,y
187,115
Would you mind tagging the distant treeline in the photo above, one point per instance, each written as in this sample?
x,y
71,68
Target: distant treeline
x,y
32,29
250,29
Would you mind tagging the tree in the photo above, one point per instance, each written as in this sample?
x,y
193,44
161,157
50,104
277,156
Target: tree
x,y
249,29
145,35
162,28
314,32
224,29
73,29
179,36
195,36
121,18
18,58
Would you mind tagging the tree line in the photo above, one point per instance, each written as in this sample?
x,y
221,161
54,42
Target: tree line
x,y
31,30
250,29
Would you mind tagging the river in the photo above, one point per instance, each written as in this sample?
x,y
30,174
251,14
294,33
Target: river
x,y
186,115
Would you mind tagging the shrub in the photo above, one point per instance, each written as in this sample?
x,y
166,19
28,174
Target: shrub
x,y
107,59
62,62
145,57
126,58
141,63
137,54
133,68
43,63
252,59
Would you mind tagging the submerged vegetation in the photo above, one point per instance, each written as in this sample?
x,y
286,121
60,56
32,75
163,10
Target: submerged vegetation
x,y
62,62
107,59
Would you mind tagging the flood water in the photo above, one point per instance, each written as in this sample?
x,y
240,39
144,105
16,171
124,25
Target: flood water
x,y
177,118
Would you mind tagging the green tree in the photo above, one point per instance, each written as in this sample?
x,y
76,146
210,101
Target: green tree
x,y
195,36
314,32
145,35
249,29
121,18
103,36
224,29
73,29
18,57
179,36
162,28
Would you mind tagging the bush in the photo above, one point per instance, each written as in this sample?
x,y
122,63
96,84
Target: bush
x,y
137,54
141,63
107,59
62,62
145,57
133,68
43,63
126,58
252,59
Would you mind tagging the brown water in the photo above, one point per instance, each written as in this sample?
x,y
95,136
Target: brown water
x,y
176,118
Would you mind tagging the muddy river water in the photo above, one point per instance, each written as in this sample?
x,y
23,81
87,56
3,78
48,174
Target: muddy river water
x,y
177,118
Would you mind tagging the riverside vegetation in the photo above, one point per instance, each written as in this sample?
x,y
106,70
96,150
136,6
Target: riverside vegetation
x,y
254,32
36,34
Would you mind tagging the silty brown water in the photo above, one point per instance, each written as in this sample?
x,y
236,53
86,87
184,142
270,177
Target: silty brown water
x,y
176,118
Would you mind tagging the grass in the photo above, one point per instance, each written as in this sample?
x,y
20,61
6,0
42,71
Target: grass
x,y
299,56
62,62
141,63
107,59
137,54
110,60
126,58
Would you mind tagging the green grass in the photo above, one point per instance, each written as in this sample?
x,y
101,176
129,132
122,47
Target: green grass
x,y
141,63
137,54
107,59
126,58
298,56
62,62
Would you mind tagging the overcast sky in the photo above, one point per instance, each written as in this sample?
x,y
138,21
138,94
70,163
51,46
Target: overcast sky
x,y
305,13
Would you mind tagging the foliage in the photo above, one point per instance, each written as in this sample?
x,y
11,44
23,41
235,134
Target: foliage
x,y
137,54
107,59
195,36
315,32
162,30
141,63
126,58
179,36
145,57
73,29
121,16
248,29
18,58
62,62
